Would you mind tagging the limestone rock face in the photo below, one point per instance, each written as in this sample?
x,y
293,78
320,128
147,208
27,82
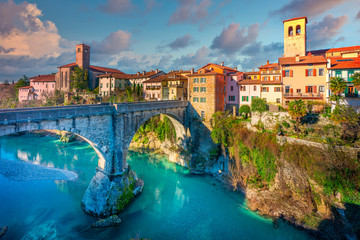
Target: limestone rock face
x,y
105,197
111,221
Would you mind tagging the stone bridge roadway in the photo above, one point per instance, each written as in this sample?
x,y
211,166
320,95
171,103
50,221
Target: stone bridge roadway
x,y
109,129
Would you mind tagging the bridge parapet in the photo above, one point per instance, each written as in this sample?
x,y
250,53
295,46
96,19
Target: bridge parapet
x,y
11,116
147,106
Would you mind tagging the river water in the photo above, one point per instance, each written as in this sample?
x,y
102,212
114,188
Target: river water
x,y
173,205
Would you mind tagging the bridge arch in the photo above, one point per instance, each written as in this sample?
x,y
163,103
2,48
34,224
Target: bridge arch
x,y
54,125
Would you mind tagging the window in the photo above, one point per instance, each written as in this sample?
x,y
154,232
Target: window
x,y
291,31
321,72
298,90
254,88
298,30
338,74
265,89
252,97
202,114
245,98
79,49
231,98
255,77
195,99
277,89
112,85
231,88
196,80
203,100
242,88
202,80
287,73
278,100
310,72
309,89
350,74
321,88
276,78
196,89
203,89
107,85
287,89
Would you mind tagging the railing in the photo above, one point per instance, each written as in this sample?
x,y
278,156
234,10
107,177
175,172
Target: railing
x,y
351,95
304,95
153,88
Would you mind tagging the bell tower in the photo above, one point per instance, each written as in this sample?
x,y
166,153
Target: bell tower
x,y
295,37
83,56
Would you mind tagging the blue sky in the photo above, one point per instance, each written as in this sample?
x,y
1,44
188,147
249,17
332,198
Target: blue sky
x,y
135,35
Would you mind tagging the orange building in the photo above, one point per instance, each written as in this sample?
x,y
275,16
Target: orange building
x,y
207,90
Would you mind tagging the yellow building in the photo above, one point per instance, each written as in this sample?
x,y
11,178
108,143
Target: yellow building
x,y
271,85
175,86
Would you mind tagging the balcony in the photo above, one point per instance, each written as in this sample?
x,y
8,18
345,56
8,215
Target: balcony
x,y
304,95
351,95
153,88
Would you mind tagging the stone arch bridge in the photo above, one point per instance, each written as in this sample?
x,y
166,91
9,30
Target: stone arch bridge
x,y
109,129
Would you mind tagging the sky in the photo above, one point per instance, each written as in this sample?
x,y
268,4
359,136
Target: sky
x,y
140,35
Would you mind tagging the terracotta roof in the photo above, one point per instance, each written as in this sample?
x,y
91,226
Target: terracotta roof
x,y
297,18
270,65
142,75
252,73
203,74
68,65
26,87
219,66
103,69
344,49
345,63
303,60
157,79
44,78
271,82
249,82
93,68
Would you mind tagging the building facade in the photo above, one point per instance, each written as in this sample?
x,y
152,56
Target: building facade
x,y
232,90
248,90
109,83
41,87
271,84
174,86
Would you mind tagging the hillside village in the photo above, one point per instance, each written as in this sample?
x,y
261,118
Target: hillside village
x,y
298,74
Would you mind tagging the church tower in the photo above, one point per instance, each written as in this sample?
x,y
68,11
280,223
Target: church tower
x,y
83,56
295,37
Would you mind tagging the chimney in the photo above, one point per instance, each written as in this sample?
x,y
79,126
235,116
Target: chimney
x,y
297,58
235,68
192,71
156,70
267,62
138,73
222,64
144,72
253,70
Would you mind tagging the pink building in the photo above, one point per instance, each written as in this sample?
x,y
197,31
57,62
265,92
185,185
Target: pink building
x,y
44,86
248,90
232,90
26,94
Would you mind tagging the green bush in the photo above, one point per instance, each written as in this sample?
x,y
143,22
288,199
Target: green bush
x,y
244,109
259,105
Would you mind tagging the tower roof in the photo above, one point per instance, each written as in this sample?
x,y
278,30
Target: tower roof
x,y
297,18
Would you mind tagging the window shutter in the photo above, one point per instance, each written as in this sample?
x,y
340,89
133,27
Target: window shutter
x,y
267,89
283,73
315,88
314,72
291,73
291,90
306,72
306,89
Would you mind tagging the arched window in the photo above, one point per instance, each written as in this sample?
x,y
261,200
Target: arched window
x,y
298,30
291,31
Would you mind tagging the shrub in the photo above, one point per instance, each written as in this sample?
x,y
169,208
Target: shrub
x,y
244,109
259,105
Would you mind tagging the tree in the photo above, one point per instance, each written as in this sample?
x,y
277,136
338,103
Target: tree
x,y
347,117
337,86
79,79
356,81
259,105
297,109
6,82
244,109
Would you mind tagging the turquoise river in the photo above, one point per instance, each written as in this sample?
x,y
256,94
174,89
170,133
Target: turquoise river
x,y
173,205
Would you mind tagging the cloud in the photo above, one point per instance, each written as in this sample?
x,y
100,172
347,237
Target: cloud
x,y
113,44
200,58
190,11
149,5
321,33
3,50
181,42
233,38
23,33
308,8
256,54
116,6
358,15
